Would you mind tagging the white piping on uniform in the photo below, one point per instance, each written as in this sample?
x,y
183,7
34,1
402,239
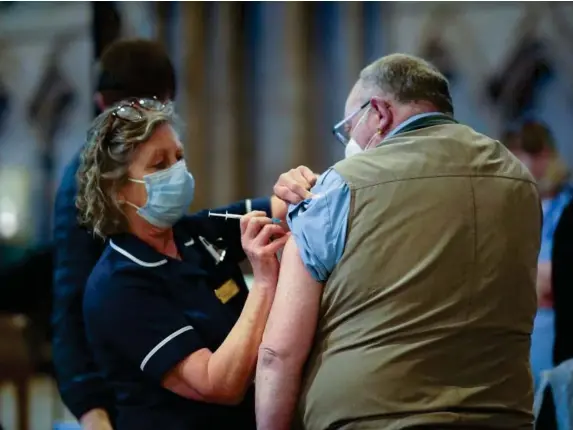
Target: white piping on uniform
x,y
134,259
162,343
189,242
248,206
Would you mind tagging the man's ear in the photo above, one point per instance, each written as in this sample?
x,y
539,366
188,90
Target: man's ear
x,y
98,99
383,113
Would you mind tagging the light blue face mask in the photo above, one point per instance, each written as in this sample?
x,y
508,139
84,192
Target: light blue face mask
x,y
169,195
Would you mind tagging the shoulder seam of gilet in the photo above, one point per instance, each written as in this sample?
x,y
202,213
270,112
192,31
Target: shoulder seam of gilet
x,y
469,176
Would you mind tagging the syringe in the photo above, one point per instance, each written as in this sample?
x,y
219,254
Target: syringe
x,y
227,215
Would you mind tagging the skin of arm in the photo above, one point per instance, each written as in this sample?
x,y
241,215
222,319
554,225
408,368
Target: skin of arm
x,y
544,290
223,376
287,341
279,208
95,419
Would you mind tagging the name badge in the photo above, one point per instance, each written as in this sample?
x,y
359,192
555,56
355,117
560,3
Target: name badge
x,y
227,291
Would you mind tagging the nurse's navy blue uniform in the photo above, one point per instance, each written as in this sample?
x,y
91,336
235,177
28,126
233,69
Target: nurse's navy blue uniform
x,y
146,312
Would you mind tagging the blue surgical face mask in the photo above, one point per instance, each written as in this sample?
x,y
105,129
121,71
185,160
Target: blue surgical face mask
x,y
169,195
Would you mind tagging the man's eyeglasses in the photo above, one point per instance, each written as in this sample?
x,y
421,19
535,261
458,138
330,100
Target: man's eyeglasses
x,y
131,110
343,129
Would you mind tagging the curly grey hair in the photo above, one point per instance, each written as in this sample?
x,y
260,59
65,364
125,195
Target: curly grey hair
x,y
104,163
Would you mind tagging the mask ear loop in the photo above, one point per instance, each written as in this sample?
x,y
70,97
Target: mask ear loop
x,y
360,122
125,202
377,134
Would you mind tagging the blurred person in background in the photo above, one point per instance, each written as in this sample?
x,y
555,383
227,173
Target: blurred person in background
x,y
406,294
128,68
552,345
535,147
560,379
171,321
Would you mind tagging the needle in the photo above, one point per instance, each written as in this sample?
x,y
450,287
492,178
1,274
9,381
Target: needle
x,y
227,215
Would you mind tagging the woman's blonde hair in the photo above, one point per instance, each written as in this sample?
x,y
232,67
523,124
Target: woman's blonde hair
x,y
104,163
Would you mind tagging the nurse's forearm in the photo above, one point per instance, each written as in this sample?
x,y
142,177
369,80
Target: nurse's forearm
x,y
232,365
95,419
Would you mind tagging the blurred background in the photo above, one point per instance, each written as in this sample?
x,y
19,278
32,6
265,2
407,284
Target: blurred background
x,y
260,86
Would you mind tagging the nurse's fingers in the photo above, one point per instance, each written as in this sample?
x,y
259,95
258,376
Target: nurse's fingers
x,y
290,195
294,185
246,219
267,232
308,174
253,228
277,244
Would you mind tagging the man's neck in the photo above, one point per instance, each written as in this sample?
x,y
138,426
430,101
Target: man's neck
x,y
405,112
407,121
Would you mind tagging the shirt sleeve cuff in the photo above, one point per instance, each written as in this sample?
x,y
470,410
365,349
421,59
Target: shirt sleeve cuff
x,y
170,352
261,204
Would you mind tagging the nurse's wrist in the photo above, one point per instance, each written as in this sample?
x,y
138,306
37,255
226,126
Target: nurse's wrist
x,y
266,286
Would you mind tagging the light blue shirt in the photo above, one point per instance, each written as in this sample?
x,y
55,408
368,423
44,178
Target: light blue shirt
x,y
319,225
552,209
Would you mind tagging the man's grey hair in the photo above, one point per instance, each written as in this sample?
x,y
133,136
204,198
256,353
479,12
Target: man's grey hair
x,y
409,79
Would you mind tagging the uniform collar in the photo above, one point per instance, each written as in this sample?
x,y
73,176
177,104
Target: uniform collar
x,y
137,251
141,253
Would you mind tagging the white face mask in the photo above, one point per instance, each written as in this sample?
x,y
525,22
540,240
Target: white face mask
x,y
352,148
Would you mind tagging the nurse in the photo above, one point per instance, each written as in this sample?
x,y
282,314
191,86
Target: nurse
x,y
171,321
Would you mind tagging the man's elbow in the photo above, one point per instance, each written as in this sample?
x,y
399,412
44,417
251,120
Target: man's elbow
x,y
276,359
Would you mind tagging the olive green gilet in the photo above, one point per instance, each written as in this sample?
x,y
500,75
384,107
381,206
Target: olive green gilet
x,y
427,317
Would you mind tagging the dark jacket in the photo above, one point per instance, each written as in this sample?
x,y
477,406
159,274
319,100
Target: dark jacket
x,y
562,283
76,253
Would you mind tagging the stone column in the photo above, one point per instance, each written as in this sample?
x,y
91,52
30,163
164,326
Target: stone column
x,y
194,110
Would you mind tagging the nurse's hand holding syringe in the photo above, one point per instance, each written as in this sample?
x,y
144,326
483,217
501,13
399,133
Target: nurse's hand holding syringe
x,y
227,215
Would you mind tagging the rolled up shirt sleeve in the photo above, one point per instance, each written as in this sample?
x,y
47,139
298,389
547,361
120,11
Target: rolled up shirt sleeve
x,y
319,225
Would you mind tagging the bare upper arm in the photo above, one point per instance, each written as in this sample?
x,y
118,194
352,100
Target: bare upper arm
x,y
292,321
190,377
194,378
